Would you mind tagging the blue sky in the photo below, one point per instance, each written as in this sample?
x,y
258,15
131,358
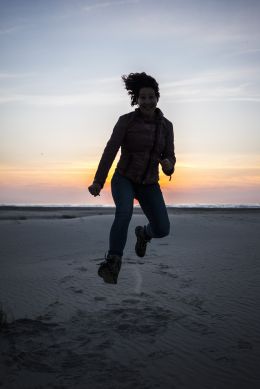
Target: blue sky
x,y
61,91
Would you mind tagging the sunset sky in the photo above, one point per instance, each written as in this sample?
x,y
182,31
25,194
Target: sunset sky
x,y
61,94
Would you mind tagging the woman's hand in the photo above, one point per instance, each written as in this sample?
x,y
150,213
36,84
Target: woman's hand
x,y
95,189
166,165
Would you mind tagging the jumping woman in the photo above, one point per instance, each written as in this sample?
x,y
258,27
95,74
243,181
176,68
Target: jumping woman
x,y
146,140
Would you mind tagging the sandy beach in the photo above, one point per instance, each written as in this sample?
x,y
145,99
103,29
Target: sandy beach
x,y
185,316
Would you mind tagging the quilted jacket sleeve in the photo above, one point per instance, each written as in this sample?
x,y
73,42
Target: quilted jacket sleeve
x,y
110,152
169,152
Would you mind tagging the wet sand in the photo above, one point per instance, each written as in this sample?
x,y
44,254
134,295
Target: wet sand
x,y
185,316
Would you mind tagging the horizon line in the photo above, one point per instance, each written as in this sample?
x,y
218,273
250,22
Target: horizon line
x,y
188,205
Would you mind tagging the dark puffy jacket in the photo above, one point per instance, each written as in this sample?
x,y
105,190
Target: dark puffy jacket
x,y
142,148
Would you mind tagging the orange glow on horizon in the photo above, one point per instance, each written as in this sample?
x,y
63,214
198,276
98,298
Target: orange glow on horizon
x,y
63,182
183,178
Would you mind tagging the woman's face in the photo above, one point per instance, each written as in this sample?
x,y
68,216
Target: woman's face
x,y
147,101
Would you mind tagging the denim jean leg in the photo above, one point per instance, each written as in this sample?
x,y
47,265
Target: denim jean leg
x,y
152,203
123,195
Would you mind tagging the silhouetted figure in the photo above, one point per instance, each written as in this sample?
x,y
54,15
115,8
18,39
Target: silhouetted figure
x,y
146,139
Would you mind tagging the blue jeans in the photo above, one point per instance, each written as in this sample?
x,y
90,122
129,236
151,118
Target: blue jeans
x,y
150,198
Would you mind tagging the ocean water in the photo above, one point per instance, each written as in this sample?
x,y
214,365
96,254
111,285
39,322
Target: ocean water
x,y
195,205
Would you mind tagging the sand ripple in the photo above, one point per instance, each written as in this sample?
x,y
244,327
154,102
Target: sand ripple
x,y
185,316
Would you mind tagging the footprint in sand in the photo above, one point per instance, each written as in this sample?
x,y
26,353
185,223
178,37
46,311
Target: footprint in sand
x,y
96,259
131,301
76,290
244,345
100,298
142,294
106,344
55,303
66,278
163,244
133,262
166,273
161,292
82,269
164,266
186,282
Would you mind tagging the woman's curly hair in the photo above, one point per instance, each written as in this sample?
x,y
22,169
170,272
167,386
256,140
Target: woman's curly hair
x,y
135,81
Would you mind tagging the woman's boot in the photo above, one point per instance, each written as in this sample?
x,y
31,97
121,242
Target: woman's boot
x,y
110,268
142,240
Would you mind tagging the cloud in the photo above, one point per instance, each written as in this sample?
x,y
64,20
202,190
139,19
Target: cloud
x,y
241,84
244,52
107,4
8,30
177,96
11,29
220,85
102,81
204,24
102,90
62,100
216,76
7,75
206,95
